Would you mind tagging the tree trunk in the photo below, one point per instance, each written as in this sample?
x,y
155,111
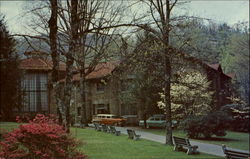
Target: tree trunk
x,y
167,69
70,62
83,97
167,100
55,59
68,89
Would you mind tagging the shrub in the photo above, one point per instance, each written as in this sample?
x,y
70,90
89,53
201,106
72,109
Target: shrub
x,y
240,115
206,126
41,138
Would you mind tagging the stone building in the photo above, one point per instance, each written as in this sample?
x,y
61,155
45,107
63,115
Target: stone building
x,y
103,88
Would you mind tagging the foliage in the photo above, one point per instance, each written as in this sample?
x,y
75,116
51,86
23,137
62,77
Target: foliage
x,y
205,126
41,138
10,95
236,59
202,39
240,116
190,95
217,43
145,64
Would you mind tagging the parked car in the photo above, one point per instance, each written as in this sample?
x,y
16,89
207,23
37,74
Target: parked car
x,y
108,119
157,120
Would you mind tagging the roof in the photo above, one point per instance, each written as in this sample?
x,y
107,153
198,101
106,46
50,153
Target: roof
x,y
36,63
101,70
217,66
232,75
214,66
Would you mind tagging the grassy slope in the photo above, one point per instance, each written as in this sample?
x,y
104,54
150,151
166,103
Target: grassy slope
x,y
232,139
100,145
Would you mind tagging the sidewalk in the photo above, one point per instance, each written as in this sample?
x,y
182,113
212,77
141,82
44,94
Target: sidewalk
x,y
203,147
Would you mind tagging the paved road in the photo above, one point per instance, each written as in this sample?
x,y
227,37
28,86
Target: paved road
x,y
203,147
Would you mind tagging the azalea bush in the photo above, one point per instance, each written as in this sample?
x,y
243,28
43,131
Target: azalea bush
x,y
42,138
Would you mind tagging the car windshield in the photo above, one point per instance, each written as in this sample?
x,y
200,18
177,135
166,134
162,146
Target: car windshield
x,y
151,118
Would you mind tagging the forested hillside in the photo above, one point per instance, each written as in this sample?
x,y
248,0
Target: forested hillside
x,y
219,43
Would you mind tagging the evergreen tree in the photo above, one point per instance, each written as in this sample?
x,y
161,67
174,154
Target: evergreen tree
x,y
10,96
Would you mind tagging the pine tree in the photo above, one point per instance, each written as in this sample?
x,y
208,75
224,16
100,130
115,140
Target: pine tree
x,y
9,75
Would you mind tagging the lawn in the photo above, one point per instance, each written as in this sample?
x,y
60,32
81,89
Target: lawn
x,y
8,126
100,145
232,139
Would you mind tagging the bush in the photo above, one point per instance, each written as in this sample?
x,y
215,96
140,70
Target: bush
x,y
240,115
206,126
41,138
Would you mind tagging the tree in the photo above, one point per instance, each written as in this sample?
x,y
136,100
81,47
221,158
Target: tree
x,y
10,74
70,60
85,30
55,59
160,12
97,23
205,42
145,64
236,59
190,95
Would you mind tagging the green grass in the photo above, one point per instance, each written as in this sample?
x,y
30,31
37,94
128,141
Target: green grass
x,y
8,126
100,145
232,139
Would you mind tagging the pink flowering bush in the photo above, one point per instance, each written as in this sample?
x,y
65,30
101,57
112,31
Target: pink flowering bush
x,y
42,138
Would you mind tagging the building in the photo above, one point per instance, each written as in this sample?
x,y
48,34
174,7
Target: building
x,y
103,90
35,83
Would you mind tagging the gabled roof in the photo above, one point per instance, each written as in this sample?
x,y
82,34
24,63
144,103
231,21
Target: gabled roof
x,y
37,63
217,67
214,66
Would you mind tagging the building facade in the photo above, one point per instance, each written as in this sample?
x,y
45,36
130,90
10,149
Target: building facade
x,y
103,89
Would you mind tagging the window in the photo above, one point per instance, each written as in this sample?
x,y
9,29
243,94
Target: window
x,y
157,119
151,119
124,85
34,86
102,109
78,111
100,87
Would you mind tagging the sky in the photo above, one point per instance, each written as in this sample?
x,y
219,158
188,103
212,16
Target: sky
x,y
228,11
